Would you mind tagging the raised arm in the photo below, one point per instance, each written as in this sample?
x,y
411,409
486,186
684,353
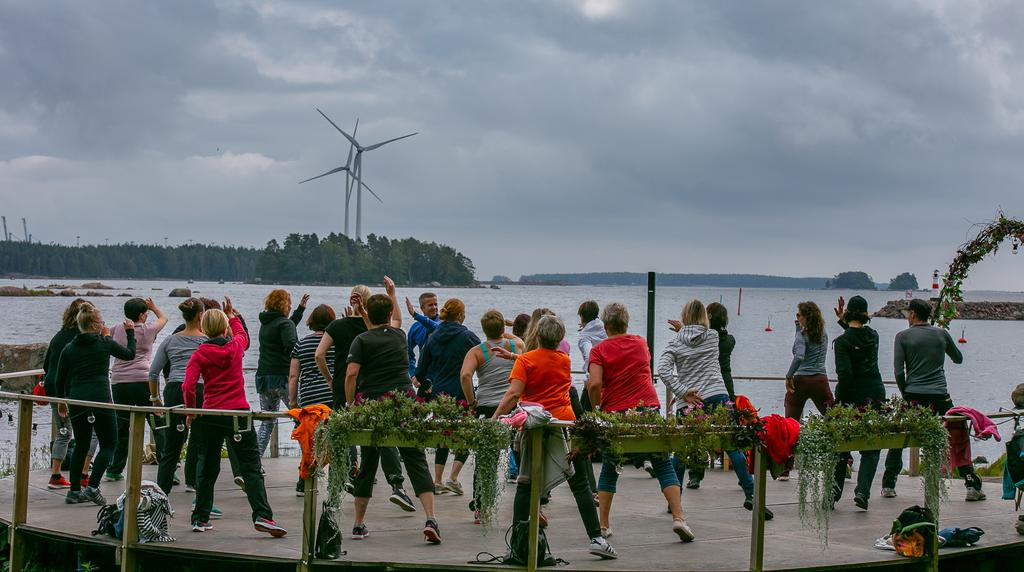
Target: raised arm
x,y
161,318
127,351
396,310
296,316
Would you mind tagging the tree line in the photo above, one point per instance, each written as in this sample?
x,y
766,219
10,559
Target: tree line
x,y
302,258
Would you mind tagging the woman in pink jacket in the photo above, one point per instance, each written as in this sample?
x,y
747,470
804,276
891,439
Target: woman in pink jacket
x,y
219,362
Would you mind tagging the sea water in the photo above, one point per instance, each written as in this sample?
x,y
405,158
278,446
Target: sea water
x,y
992,364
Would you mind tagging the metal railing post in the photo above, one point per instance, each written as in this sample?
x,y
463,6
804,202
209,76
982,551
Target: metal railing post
x,y
536,482
133,480
757,519
308,523
22,466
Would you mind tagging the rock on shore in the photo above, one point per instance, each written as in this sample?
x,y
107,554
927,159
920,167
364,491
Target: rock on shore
x,y
965,310
20,357
180,293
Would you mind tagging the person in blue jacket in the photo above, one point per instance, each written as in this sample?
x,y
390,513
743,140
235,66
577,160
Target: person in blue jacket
x,y
423,325
438,373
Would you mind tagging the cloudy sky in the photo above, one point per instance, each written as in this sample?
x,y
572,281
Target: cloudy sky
x,y
794,138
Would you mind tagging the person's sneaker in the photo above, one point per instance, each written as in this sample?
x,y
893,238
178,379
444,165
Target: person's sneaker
x,y
861,501
975,495
190,489
198,526
270,527
93,495
350,488
240,483
455,487
215,511
431,532
113,477
600,547
607,532
683,530
888,493
749,505
440,489
74,497
693,484
650,469
477,518
360,531
58,482
300,488
175,480
399,497
784,476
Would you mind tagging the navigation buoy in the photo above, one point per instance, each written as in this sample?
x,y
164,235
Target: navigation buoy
x,y
768,328
963,339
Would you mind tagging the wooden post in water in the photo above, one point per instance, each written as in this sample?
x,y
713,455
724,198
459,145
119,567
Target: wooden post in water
x,y
757,519
133,480
651,288
739,304
22,465
536,477
308,523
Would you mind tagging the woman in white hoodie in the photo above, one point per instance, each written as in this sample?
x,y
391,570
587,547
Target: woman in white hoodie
x,y
689,367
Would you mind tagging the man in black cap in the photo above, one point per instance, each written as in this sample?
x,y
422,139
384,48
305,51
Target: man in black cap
x,y
919,354
860,384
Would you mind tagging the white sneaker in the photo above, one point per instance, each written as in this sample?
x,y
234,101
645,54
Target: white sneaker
x,y
888,493
600,547
975,495
683,530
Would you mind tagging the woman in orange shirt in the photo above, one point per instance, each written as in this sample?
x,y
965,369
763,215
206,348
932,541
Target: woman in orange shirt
x,y
543,376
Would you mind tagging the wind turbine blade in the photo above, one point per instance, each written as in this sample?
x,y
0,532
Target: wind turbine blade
x,y
331,172
367,187
351,147
340,130
383,143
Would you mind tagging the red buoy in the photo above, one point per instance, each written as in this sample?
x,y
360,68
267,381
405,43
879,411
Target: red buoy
x,y
962,340
768,328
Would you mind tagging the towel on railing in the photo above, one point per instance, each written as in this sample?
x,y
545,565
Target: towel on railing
x,y
959,437
309,419
779,437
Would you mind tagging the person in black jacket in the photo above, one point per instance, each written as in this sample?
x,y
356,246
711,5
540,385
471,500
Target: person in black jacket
x,y
277,338
59,447
439,369
860,385
83,373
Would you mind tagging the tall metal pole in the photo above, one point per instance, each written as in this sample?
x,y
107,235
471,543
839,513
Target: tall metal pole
x,y
651,287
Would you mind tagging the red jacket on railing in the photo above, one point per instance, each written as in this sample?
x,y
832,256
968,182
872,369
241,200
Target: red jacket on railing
x,y
219,362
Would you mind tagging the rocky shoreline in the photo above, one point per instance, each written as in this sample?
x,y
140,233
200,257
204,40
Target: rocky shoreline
x,y
965,310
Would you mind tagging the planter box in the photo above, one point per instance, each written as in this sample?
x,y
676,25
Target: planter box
x,y
883,441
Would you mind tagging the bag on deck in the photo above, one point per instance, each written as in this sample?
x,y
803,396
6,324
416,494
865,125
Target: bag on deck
x,y
107,520
1015,458
328,535
913,532
519,546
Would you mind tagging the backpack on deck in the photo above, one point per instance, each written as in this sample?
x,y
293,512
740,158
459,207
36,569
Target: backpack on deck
x,y
107,520
519,546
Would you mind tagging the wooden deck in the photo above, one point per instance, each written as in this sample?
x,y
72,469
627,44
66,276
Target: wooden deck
x,y
642,530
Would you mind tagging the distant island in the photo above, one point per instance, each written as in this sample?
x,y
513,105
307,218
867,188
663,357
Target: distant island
x,y
640,279
301,259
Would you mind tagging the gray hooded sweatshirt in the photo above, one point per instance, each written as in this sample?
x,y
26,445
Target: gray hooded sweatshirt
x,y
690,362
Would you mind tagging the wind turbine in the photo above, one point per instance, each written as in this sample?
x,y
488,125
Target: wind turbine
x,y
356,170
347,167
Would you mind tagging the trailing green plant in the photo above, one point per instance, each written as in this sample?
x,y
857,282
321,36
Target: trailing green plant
x,y
703,430
986,242
417,423
821,436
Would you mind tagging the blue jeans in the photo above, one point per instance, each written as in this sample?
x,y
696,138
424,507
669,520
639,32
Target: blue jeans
x,y
738,459
610,477
273,389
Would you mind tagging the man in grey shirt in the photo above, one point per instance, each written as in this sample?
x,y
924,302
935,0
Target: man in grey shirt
x,y
920,354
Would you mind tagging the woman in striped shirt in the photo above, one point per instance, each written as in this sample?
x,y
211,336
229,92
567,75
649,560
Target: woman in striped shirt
x,y
306,385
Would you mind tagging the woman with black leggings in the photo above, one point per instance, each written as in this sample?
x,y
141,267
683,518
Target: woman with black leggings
x,y
83,373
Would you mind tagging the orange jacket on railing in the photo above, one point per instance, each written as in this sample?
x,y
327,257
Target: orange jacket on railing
x,y
309,419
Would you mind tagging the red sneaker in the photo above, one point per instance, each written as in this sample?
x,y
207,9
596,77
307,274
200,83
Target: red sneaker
x,y
270,527
58,482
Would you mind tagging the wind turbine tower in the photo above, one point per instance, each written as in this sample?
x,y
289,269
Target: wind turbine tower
x,y
6,235
354,173
24,226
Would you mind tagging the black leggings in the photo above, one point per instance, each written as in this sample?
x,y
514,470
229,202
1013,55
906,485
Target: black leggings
x,y
105,427
134,393
194,438
415,462
213,433
441,456
581,491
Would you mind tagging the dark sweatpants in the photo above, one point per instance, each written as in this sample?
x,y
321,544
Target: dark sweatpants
x,y
581,491
940,404
213,433
415,461
105,427
135,393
